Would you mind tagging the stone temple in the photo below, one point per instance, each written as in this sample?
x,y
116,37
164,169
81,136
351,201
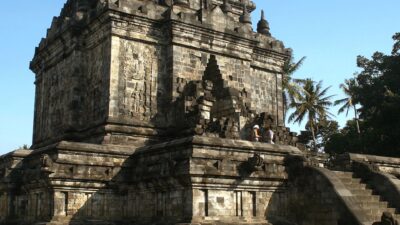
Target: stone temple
x,y
143,111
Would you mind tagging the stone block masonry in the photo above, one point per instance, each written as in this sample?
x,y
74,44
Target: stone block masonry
x,y
143,113
189,180
113,72
137,108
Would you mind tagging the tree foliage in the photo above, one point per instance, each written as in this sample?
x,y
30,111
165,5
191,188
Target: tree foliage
x,y
346,140
291,86
325,130
348,88
312,104
378,93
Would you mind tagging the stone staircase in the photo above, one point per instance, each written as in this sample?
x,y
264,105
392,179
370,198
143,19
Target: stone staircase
x,y
372,204
86,222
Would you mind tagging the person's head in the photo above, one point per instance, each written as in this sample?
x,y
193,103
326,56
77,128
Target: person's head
x,y
256,127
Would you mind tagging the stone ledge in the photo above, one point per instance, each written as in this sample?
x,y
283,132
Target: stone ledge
x,y
223,143
374,159
87,147
97,148
20,153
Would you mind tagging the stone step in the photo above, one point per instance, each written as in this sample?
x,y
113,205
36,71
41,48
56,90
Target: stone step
x,y
377,218
364,196
373,212
377,208
58,222
369,198
361,192
85,222
373,204
376,214
356,186
314,221
349,180
343,174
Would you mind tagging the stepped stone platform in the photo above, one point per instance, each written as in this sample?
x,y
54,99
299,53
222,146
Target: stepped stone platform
x,y
144,115
372,203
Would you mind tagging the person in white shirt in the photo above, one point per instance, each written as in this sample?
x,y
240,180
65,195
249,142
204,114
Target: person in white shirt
x,y
255,134
270,136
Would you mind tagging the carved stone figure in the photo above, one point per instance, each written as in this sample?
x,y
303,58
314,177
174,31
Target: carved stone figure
x,y
388,219
255,162
46,163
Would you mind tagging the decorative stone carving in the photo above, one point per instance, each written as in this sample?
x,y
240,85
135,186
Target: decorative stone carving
x,y
82,10
256,162
245,17
387,218
263,25
138,65
181,2
226,7
108,70
125,89
46,163
211,107
206,4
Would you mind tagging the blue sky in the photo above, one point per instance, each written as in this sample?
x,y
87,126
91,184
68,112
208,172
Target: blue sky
x,y
331,33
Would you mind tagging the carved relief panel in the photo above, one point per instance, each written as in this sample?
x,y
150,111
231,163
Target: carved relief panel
x,y
138,80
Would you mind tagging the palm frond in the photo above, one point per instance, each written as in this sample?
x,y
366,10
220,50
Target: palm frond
x,y
343,108
341,101
312,104
322,93
297,65
291,67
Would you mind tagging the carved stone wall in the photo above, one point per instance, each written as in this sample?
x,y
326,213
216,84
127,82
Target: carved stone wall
x,y
188,180
139,109
138,85
261,87
109,71
142,112
71,92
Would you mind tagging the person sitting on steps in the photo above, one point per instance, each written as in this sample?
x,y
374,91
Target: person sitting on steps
x,y
255,134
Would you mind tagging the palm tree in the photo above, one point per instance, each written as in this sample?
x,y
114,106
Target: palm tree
x,y
313,104
348,102
291,87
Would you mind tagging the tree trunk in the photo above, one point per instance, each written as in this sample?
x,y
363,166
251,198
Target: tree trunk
x,y
313,135
285,107
356,118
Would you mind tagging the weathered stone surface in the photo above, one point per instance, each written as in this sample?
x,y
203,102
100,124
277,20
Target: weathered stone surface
x,y
107,68
143,113
192,180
